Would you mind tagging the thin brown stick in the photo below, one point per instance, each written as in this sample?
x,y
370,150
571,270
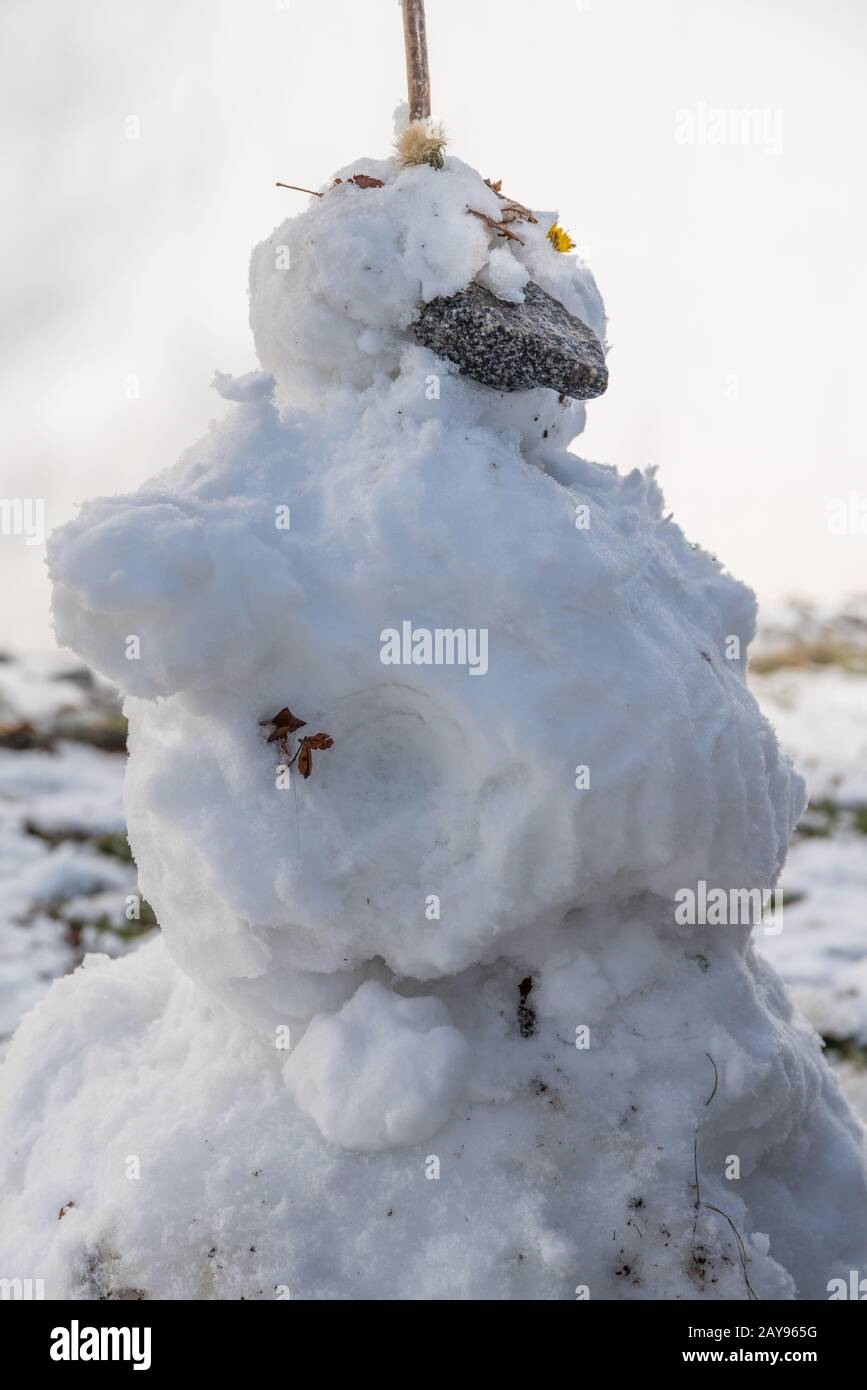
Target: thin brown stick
x,y
742,1249
297,189
417,73
715,1078
499,227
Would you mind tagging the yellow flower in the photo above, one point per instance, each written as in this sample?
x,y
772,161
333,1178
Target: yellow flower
x,y
560,240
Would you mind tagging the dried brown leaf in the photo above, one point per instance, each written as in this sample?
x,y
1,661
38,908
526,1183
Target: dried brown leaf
x,y
319,740
513,211
283,724
516,212
361,181
284,721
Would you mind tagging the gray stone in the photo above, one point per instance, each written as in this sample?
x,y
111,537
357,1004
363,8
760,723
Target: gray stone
x,y
514,347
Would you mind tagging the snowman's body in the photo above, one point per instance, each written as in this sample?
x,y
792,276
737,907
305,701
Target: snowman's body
x,y
502,1043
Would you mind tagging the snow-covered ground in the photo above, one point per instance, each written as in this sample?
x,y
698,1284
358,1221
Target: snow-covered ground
x,y
67,885
810,675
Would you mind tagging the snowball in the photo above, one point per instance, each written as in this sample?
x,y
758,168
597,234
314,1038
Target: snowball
x,y
362,259
605,649
382,1072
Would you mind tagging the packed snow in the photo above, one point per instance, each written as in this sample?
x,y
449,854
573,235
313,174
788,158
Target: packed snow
x,y
423,1025
380,1073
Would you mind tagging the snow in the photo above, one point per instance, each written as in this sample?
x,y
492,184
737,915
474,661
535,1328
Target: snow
x,y
822,948
815,696
37,689
593,634
822,722
380,1073
69,789
506,1056
504,276
334,289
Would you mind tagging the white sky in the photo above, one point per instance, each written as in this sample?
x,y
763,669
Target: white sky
x,y
734,276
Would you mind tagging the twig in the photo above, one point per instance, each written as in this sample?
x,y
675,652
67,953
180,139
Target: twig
x,y
742,1249
499,227
715,1078
297,189
417,73
695,1144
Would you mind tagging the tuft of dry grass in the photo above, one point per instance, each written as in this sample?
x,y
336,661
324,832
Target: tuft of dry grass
x,y
421,142
819,651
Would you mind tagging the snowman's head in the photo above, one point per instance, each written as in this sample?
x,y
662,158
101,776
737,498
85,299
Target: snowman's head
x,y
335,291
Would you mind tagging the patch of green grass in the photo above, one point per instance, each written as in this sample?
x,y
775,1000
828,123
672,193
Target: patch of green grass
x,y
121,927
821,819
847,1050
125,931
108,733
115,846
824,817
115,843
793,896
818,652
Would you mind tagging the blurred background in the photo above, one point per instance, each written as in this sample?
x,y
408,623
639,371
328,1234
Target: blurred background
x,y
707,159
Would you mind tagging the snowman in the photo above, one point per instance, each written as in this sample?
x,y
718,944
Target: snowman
x,y
424,1020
